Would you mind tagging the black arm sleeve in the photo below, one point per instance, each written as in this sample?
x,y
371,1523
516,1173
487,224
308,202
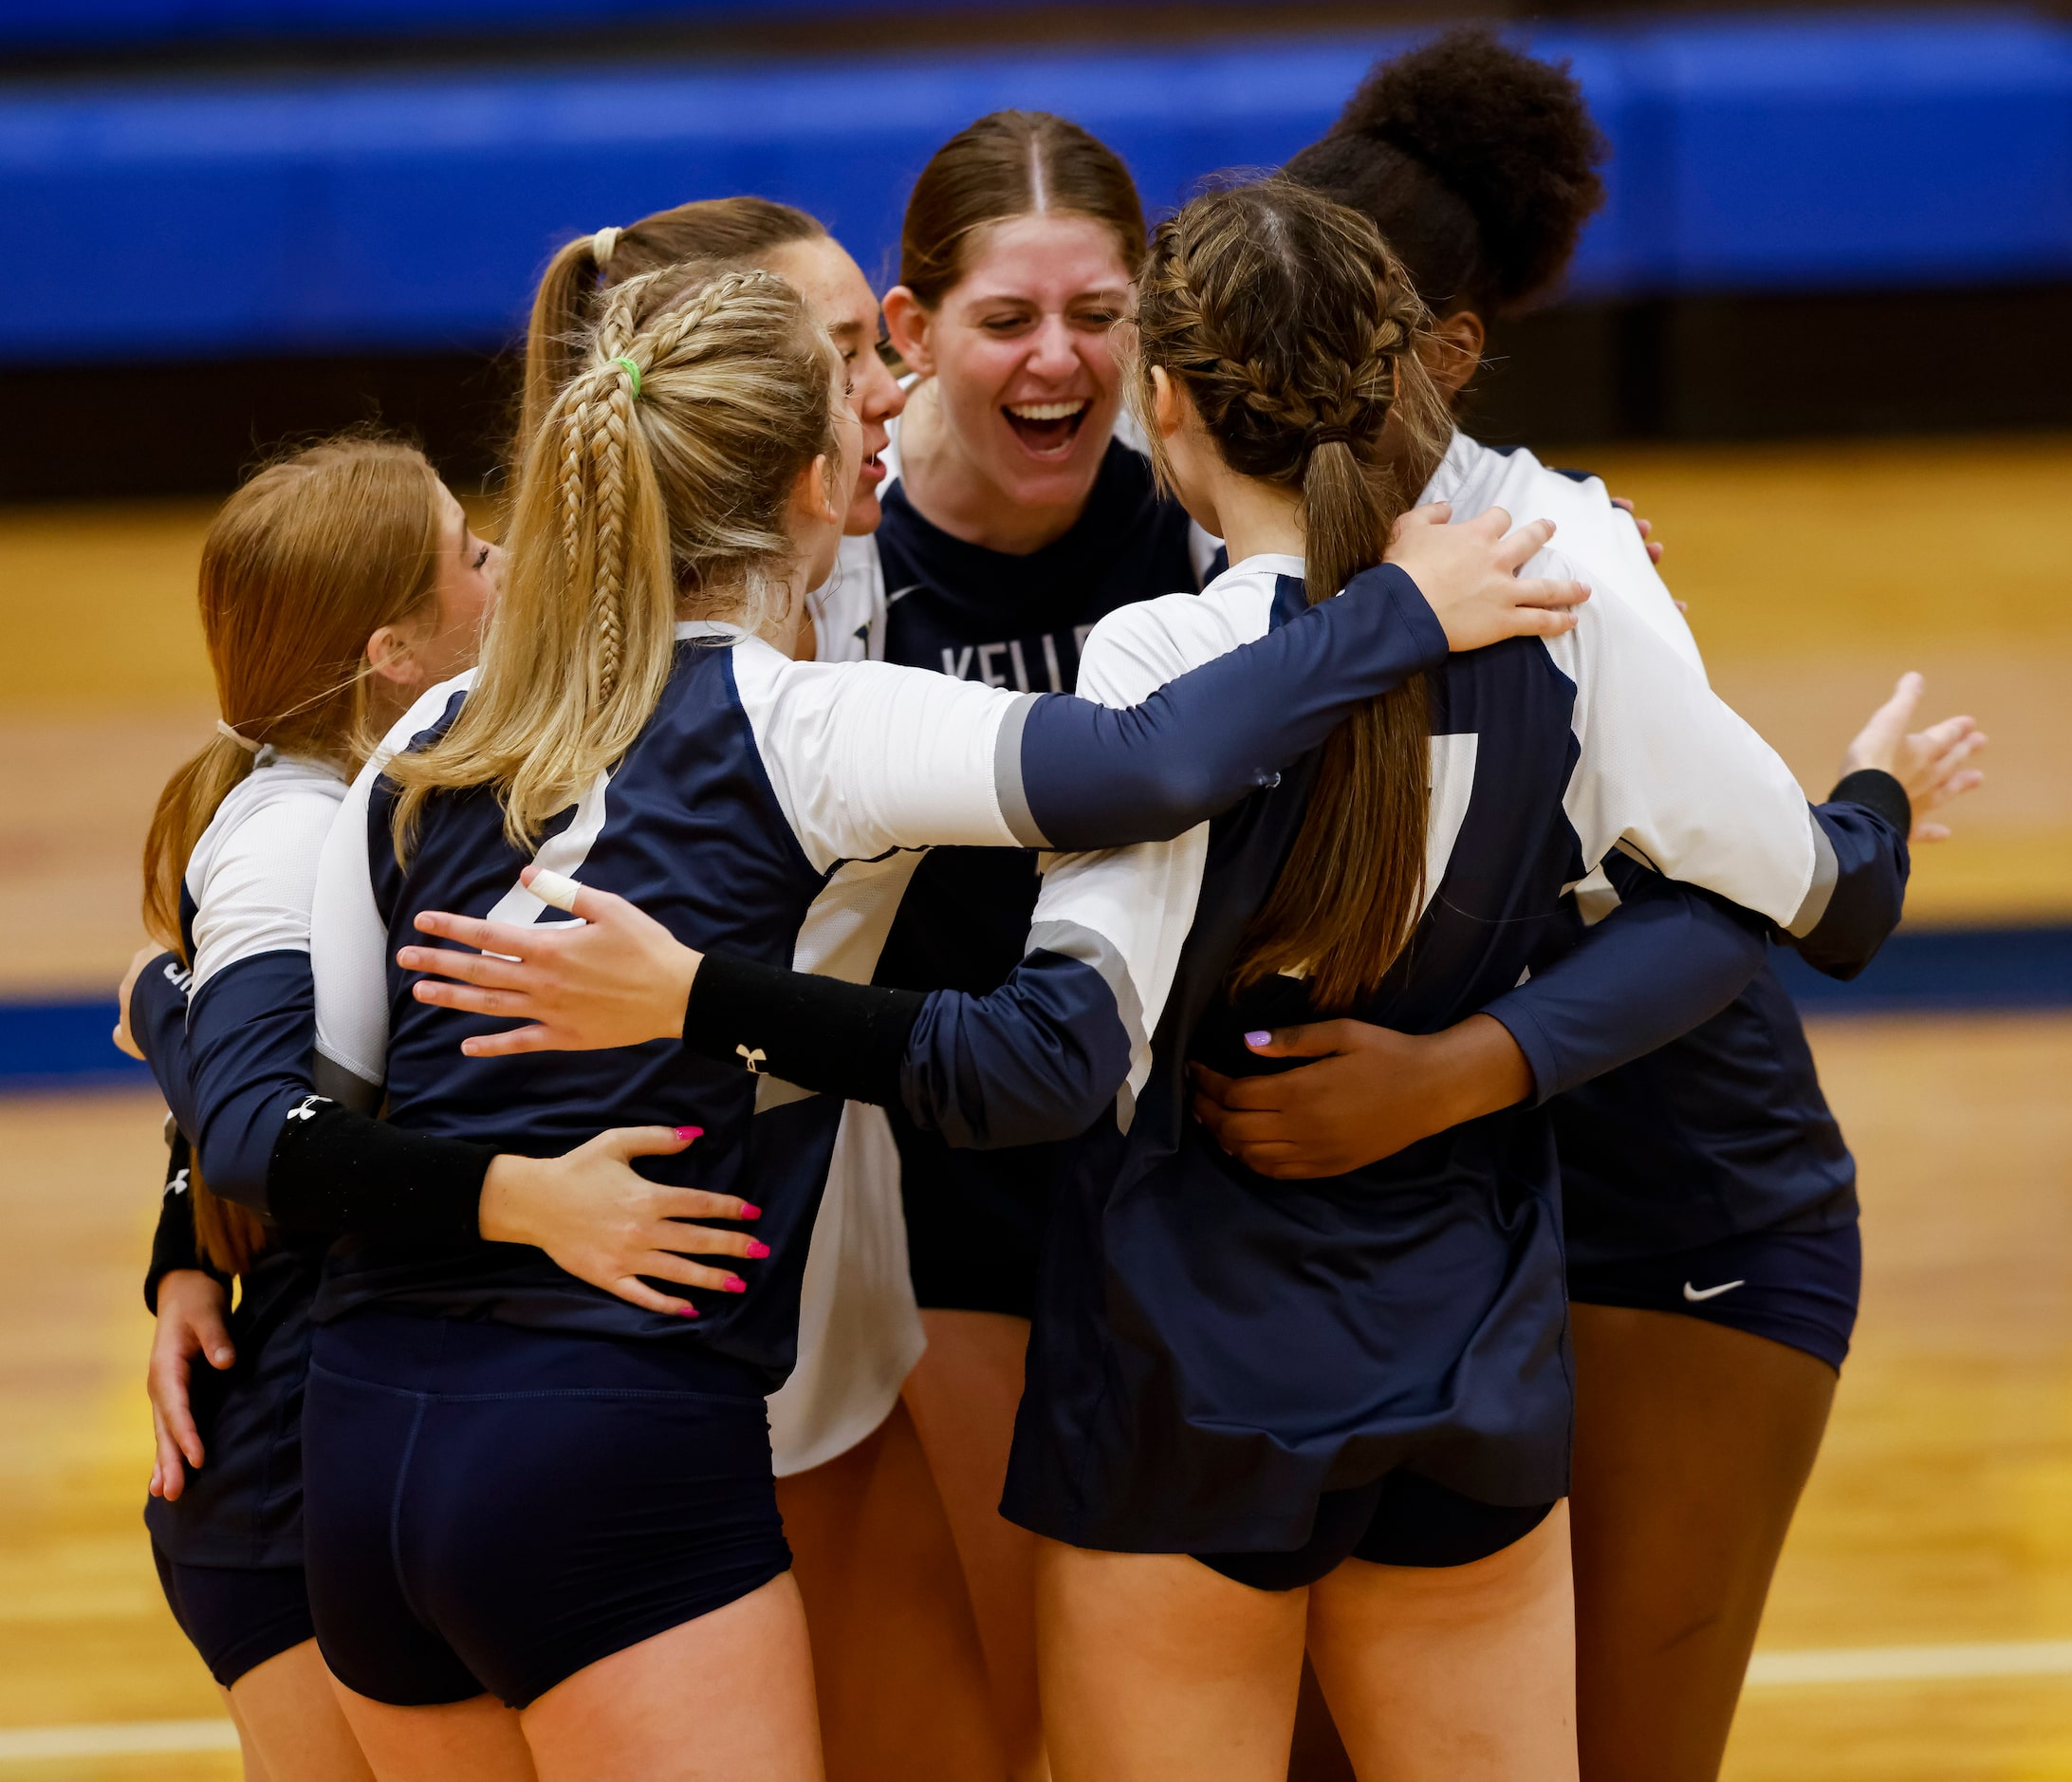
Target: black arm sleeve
x,y
1876,789
333,1170
823,1033
172,1245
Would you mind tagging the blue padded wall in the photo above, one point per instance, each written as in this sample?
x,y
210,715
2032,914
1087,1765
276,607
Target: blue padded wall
x,y
413,213
148,24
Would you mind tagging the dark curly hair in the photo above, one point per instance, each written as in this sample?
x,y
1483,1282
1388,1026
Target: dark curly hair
x,y
1478,163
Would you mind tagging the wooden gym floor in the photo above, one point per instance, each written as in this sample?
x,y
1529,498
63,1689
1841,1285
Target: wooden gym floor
x,y
1921,1626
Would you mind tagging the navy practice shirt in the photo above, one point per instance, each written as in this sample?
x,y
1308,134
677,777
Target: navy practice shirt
x,y
976,1225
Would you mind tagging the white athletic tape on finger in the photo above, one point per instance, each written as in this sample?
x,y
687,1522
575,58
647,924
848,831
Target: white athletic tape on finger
x,y
551,887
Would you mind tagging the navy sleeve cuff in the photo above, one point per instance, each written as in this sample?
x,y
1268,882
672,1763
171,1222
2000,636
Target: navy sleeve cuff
x,y
1534,1040
174,1246
1428,634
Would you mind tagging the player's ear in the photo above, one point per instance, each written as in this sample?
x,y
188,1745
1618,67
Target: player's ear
x,y
911,325
1453,350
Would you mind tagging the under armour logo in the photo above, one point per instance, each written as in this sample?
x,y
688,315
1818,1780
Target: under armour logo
x,y
754,1060
179,1184
306,1108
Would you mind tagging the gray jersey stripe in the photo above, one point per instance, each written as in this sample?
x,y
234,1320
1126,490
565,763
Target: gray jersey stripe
x,y
1826,871
1007,776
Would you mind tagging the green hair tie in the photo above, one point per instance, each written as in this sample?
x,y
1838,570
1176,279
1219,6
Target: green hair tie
x,y
633,371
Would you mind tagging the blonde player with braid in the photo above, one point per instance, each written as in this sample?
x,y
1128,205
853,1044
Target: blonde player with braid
x,y
522,1487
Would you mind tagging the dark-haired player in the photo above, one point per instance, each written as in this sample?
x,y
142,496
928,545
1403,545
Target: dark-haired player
x,y
1709,1202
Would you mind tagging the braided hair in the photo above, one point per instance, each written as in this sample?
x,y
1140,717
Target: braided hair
x,y
1293,331
657,486
583,273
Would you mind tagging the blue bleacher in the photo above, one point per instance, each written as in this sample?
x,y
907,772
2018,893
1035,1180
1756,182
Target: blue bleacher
x,y
412,212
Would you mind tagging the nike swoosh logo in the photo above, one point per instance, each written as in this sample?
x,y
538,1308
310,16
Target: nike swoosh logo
x,y
1695,1294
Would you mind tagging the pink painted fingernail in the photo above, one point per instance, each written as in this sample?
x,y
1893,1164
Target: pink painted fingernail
x,y
688,1133
686,1311
1261,1038
749,1211
736,1285
757,1250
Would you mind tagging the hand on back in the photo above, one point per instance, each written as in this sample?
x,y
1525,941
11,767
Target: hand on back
x,y
1469,576
616,977
608,1225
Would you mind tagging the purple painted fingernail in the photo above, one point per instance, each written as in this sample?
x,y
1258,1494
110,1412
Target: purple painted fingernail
x,y
1260,1038
734,1284
750,1212
757,1250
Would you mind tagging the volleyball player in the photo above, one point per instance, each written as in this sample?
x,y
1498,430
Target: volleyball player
x,y
1017,520
1014,521
1221,1368
871,1547
520,1485
336,584
1710,1205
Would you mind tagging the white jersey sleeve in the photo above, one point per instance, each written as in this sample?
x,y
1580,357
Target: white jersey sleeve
x,y
348,941
865,757
1669,773
1126,911
252,875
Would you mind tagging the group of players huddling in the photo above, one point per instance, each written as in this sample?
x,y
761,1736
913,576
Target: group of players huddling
x,y
1062,1067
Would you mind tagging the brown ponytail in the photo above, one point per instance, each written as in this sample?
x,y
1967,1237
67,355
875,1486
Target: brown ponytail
x,y
719,231
301,565
1008,164
1292,328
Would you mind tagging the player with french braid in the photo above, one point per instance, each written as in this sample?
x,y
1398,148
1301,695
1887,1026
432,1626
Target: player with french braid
x,y
527,1490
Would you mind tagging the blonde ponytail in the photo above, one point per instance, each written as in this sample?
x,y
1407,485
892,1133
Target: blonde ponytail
x,y
631,509
573,288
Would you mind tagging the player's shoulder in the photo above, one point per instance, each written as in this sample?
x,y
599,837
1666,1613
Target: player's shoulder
x,y
276,806
1137,648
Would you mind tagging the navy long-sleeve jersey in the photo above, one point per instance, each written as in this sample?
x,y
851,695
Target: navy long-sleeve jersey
x,y
1720,1129
230,1046
767,808
1214,1350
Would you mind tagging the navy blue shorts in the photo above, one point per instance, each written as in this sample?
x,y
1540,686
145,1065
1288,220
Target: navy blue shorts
x,y
236,1619
1796,1287
1400,1519
488,1508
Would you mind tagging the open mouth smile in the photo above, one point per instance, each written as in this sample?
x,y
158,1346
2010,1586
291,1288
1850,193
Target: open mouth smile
x,y
1047,429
